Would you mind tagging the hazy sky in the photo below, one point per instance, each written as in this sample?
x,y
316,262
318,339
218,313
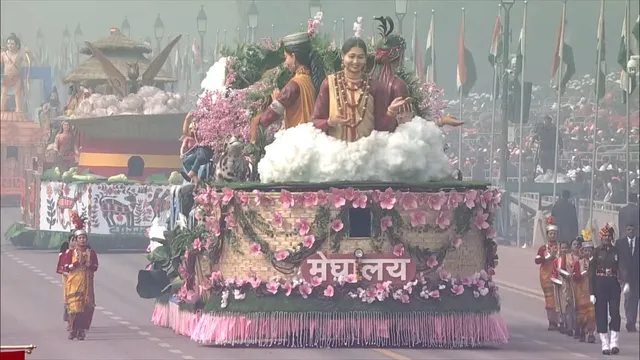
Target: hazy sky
x,y
97,16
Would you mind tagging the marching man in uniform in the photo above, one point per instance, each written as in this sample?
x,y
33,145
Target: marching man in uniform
x,y
546,254
605,276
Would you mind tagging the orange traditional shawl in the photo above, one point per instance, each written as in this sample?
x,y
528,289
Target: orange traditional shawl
x,y
79,289
301,111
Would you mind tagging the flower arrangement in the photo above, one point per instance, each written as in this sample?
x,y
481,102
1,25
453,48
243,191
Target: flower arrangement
x,y
313,24
357,27
418,290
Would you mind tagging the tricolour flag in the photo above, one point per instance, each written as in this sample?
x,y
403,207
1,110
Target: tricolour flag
x,y
627,49
520,49
495,50
601,63
430,53
197,57
563,62
466,66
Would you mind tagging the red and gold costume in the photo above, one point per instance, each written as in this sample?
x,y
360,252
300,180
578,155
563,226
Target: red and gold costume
x,y
80,264
544,258
561,278
363,104
584,308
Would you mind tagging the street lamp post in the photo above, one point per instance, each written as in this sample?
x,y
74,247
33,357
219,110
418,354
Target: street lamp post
x,y
158,30
40,44
66,39
252,15
504,135
315,6
201,21
125,28
77,38
401,11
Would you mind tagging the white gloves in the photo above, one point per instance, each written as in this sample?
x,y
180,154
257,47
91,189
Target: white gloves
x,y
592,298
625,289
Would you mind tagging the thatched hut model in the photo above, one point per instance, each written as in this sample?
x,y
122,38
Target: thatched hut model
x,y
120,50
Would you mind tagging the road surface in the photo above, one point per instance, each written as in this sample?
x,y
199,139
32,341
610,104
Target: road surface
x,y
31,313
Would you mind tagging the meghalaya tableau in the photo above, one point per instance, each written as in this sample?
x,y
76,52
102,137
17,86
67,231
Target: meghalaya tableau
x,y
303,195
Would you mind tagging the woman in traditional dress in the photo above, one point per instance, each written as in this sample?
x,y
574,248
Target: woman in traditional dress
x,y
563,292
80,263
544,258
66,246
585,311
294,103
66,144
573,255
351,105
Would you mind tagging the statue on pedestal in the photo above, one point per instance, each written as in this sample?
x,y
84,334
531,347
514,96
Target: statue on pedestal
x,y
13,57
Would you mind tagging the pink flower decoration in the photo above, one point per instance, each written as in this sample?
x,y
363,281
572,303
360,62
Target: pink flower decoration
x,y
305,290
432,261
227,195
418,218
338,201
192,297
454,199
215,276
444,275
385,223
308,241
491,271
404,298
322,197
329,291
480,221
281,255
243,197
209,244
351,278
387,199
456,242
286,199
398,250
287,288
486,199
359,201
436,201
349,194
467,281
257,197
255,282
457,289
316,281
309,199
303,226
337,225
409,201
435,294
470,198
444,219
272,287
278,220
230,220
197,244
255,249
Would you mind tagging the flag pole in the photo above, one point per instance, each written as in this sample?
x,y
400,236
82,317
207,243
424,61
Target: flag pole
x,y
415,43
433,46
524,52
343,38
493,108
595,120
460,161
628,125
559,84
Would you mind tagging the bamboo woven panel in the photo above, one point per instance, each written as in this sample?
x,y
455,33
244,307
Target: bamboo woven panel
x,y
466,260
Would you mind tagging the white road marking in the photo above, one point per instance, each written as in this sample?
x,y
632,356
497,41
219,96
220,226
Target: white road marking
x,y
99,308
579,355
49,278
55,282
187,357
43,275
116,318
108,313
124,323
175,351
143,333
164,345
539,342
154,339
134,328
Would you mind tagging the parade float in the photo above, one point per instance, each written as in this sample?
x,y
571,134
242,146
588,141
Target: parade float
x,y
112,153
379,248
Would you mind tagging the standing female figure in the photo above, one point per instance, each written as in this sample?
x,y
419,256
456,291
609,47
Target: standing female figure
x,y
584,308
351,105
66,246
544,258
605,276
80,263
572,257
562,288
294,103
